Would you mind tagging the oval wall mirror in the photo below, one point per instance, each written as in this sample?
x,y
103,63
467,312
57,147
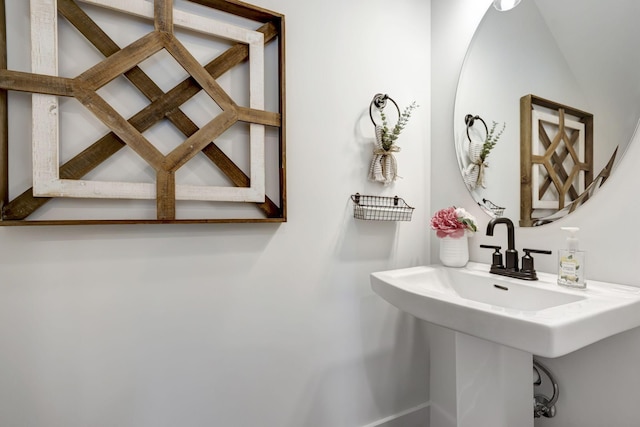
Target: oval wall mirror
x,y
577,63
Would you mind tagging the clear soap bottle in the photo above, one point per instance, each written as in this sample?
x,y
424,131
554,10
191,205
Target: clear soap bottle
x,y
571,262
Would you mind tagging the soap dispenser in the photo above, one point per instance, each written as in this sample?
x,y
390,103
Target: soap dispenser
x,y
571,262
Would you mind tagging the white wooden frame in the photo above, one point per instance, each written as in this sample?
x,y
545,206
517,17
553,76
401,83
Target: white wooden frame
x,y
45,117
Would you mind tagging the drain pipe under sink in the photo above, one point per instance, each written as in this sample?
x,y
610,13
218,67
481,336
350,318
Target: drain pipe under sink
x,y
542,405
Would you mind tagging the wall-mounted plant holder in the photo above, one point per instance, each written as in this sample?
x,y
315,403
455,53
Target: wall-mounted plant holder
x,y
384,168
378,208
478,151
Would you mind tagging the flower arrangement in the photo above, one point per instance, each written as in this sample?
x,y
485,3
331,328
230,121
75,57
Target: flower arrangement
x,y
453,222
389,136
384,167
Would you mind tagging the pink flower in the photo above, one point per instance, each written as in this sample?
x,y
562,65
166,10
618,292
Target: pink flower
x,y
452,222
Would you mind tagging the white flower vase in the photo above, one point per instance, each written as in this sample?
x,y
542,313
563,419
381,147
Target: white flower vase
x,y
454,251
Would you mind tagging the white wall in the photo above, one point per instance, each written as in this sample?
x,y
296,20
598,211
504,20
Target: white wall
x,y
242,325
598,384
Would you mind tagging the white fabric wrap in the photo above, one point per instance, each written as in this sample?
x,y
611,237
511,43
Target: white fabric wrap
x,y
384,167
473,174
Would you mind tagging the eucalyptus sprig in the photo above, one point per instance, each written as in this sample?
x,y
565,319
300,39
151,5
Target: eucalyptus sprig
x,y
491,140
390,136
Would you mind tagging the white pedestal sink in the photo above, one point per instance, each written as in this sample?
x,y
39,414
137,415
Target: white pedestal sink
x,y
477,383
491,326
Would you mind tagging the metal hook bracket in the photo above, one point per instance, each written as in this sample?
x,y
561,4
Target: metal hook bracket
x,y
380,102
470,119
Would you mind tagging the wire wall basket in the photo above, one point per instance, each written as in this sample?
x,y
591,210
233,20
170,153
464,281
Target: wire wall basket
x,y
498,211
377,208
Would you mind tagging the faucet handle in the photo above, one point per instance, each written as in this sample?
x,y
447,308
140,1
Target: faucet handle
x,y
496,260
527,259
537,251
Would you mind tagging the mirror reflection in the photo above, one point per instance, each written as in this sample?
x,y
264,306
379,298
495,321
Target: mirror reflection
x,y
577,61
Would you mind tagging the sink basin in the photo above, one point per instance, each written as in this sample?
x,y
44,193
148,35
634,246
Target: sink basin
x,y
537,317
499,293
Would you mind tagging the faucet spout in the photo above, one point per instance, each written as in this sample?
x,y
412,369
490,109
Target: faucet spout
x,y
511,253
511,235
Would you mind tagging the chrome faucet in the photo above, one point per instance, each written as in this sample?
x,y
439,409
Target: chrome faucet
x,y
511,268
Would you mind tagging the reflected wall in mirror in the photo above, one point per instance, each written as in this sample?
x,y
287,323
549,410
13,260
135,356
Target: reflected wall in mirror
x,y
579,53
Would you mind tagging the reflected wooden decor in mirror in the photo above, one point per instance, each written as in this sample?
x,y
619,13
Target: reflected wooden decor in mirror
x,y
556,157
232,139
541,48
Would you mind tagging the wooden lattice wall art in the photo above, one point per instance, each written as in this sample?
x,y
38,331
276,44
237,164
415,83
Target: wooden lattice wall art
x,y
245,114
556,157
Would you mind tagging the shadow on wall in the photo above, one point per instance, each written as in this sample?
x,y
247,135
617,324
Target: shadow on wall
x,y
388,379
375,365
400,373
362,240
62,244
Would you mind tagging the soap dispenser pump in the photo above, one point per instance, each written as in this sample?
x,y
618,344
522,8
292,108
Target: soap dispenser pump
x,y
571,262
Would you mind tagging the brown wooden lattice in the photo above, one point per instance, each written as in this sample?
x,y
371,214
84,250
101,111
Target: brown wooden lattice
x,y
163,106
559,157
